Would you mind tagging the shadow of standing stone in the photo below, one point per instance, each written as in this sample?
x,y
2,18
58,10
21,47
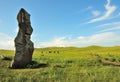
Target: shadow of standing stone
x,y
5,58
24,46
35,64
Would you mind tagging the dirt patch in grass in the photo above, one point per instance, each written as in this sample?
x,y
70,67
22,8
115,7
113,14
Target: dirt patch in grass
x,y
107,61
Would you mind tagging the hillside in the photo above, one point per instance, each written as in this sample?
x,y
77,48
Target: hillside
x,y
65,64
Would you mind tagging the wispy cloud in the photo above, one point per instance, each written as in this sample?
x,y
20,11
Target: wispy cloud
x,y
96,13
6,42
109,27
109,24
88,8
109,11
103,39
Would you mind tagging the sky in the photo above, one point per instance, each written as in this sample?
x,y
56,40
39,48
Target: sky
x,y
63,23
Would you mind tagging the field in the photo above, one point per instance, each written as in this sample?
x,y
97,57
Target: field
x,y
65,64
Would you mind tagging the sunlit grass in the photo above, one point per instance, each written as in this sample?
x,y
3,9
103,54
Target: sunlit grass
x,y
69,65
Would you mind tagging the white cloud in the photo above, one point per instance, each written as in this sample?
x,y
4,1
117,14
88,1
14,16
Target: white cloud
x,y
109,10
17,29
60,41
119,14
109,26
88,8
96,13
6,42
111,29
103,39
116,16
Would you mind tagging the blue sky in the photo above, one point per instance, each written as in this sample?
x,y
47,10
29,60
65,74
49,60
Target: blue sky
x,y
63,23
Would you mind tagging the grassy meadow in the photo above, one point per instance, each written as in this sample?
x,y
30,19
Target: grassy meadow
x,y
65,64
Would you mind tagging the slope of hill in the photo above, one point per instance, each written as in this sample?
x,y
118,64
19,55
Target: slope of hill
x,y
65,64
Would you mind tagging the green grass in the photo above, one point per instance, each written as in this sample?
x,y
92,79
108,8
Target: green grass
x,y
71,64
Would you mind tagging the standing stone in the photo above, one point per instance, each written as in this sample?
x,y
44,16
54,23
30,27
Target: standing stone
x,y
24,46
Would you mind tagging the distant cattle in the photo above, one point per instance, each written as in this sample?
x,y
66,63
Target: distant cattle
x,y
42,52
50,52
57,52
54,51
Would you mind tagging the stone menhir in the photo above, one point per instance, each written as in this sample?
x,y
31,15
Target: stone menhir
x,y
23,45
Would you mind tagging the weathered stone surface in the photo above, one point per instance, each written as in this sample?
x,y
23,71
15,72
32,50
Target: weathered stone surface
x,y
24,46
